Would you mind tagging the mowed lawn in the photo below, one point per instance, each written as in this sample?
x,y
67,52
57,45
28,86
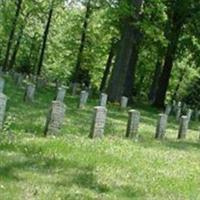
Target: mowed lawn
x,y
72,166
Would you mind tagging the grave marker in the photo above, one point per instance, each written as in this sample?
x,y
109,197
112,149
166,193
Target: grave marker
x,y
55,118
133,124
183,127
161,126
124,102
98,123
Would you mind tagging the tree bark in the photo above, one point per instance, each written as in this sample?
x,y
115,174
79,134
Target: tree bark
x,y
108,67
17,45
128,39
159,101
12,33
77,71
130,76
156,76
45,37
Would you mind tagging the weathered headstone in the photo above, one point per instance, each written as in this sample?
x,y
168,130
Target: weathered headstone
x,y
98,123
3,103
183,127
178,111
196,115
133,124
29,93
168,109
61,93
74,88
18,79
83,99
189,115
161,126
2,83
124,102
55,118
103,99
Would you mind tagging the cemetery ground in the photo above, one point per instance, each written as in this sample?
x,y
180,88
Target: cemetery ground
x,y
72,166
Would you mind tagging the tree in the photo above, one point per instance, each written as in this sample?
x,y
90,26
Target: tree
x,y
108,66
45,37
127,47
12,33
181,11
78,72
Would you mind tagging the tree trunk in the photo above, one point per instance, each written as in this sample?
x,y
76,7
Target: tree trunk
x,y
45,37
130,76
167,68
156,76
16,47
12,33
77,70
128,39
15,51
108,67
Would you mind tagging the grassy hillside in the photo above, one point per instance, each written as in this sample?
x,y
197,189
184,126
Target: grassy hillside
x,y
72,166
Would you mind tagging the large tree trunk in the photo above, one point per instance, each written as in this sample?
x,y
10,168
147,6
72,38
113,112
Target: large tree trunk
x,y
156,76
123,60
130,75
78,71
108,67
167,67
17,45
45,37
12,33
15,51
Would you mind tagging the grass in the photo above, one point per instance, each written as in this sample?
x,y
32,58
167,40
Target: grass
x,y
72,166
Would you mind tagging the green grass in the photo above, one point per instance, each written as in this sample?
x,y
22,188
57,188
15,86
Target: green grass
x,y
72,166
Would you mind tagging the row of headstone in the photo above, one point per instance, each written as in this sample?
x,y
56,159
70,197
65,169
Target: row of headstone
x,y
57,112
179,109
99,120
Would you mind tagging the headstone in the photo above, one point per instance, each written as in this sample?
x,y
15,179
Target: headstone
x,y
168,109
189,115
18,79
103,100
55,118
2,83
178,111
161,126
74,88
29,93
83,99
3,103
124,102
61,93
196,115
183,127
98,123
133,124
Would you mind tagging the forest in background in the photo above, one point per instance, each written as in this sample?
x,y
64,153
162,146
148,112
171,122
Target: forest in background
x,y
145,50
